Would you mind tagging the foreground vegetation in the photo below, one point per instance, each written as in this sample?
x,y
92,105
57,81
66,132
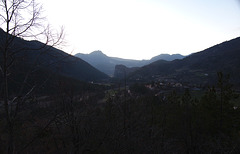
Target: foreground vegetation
x,y
120,121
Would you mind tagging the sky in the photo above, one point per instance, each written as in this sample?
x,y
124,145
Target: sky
x,y
141,29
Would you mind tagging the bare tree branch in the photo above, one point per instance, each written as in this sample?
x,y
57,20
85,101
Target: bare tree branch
x,y
20,18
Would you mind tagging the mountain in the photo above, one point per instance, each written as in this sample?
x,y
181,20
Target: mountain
x,y
167,57
44,61
200,67
107,64
121,71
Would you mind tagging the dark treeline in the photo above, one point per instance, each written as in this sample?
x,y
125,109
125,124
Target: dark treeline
x,y
116,121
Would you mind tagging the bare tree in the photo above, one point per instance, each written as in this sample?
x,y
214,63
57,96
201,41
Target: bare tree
x,y
19,19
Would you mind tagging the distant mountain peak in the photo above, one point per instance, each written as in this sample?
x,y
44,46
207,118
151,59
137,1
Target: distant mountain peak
x,y
167,57
97,52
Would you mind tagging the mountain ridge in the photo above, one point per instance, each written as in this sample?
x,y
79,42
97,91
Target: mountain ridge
x,y
36,54
200,67
107,64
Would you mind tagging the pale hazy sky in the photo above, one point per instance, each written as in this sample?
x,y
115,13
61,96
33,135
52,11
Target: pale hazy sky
x,y
141,29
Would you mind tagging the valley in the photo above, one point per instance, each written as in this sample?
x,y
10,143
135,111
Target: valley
x,y
61,103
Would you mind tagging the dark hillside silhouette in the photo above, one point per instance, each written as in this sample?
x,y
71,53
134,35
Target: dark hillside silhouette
x,y
53,60
199,67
